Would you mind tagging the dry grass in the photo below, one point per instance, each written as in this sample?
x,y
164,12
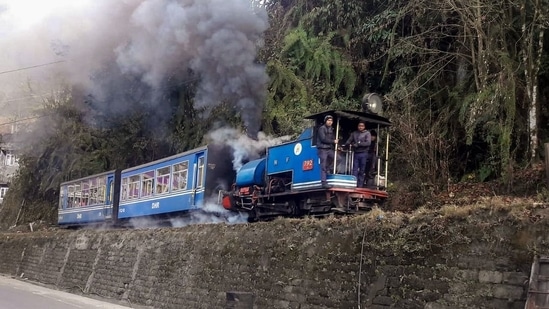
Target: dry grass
x,y
485,209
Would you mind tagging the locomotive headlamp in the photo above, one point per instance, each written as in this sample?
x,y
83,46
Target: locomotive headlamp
x,y
371,102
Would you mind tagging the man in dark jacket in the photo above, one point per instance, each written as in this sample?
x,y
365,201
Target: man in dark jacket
x,y
325,148
360,140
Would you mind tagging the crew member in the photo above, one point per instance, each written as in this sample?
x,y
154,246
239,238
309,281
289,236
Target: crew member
x,y
325,148
360,140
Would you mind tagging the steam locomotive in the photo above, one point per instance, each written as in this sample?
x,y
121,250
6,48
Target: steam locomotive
x,y
286,181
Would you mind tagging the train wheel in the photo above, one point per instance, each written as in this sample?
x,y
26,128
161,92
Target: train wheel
x,y
293,210
302,210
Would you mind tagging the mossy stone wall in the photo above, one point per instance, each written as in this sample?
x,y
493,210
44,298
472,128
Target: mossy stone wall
x,y
475,259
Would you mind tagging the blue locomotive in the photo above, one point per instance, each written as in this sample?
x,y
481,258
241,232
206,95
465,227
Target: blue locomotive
x,y
286,181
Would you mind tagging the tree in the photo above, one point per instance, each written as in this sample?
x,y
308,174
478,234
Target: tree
x,y
534,21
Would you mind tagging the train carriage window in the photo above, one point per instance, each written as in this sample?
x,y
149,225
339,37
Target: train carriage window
x,y
101,190
147,184
93,192
77,195
84,200
180,174
133,188
70,196
125,188
163,180
200,176
111,192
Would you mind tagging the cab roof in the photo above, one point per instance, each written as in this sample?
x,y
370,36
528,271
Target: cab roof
x,y
351,115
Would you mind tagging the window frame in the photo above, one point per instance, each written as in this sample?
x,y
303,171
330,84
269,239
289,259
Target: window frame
x,y
166,188
125,188
200,172
147,184
134,180
184,170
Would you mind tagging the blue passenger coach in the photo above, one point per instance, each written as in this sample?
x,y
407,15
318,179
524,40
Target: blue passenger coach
x,y
179,183
89,200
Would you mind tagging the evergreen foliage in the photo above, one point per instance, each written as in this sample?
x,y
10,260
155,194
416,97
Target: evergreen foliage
x,y
457,77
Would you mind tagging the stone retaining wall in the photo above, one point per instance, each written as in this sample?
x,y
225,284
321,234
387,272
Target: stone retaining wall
x,y
406,262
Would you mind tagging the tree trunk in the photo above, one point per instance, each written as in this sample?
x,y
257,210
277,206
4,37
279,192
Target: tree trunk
x,y
531,58
533,108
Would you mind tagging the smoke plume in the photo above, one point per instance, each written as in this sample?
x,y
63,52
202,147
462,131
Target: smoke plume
x,y
210,213
126,53
243,147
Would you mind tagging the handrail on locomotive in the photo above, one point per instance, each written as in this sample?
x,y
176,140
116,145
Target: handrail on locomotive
x,y
345,121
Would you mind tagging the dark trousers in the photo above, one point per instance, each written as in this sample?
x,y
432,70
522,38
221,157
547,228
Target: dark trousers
x,y
359,167
326,162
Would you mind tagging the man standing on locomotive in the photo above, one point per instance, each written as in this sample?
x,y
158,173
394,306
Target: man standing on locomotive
x,y
360,140
325,148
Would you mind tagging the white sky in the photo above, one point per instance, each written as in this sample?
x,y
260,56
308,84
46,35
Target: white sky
x,y
20,20
23,24
23,14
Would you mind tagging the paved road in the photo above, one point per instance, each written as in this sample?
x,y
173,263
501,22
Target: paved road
x,y
15,294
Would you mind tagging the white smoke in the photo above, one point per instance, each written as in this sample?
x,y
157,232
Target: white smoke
x,y
112,49
244,147
144,223
210,213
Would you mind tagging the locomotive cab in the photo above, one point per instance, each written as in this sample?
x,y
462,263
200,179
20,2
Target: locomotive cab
x,y
346,122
